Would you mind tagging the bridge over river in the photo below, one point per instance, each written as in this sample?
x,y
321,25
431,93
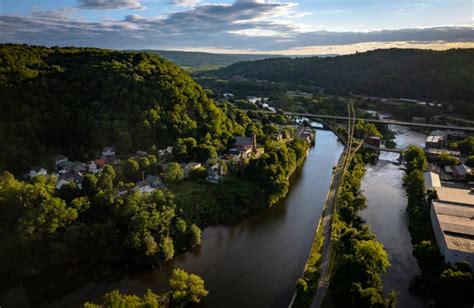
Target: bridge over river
x,y
393,122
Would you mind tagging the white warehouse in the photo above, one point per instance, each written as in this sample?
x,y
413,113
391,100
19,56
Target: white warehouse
x,y
452,217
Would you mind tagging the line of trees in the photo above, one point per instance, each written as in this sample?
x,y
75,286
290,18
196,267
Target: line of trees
x,y
185,288
361,259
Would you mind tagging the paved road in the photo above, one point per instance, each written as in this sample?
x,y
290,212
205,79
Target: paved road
x,y
326,223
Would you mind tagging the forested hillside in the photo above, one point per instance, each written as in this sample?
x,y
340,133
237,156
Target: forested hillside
x,y
75,101
410,73
204,60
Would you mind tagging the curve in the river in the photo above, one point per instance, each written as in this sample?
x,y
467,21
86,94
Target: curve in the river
x,y
254,263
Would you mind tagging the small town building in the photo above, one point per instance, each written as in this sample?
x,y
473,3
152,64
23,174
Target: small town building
x,y
143,187
434,142
453,224
297,93
432,181
154,181
61,182
373,141
92,167
79,167
190,166
165,153
37,171
59,159
108,154
100,163
434,154
460,171
141,153
65,165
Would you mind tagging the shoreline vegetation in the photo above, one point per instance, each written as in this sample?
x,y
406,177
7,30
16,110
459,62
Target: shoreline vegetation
x,y
43,226
354,244
449,285
359,259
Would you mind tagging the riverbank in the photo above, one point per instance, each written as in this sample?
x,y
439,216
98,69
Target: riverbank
x,y
246,264
308,283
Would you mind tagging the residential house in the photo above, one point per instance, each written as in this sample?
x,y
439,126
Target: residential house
x,y
61,182
190,166
100,163
460,171
165,153
108,154
79,167
154,181
432,181
59,159
65,166
297,93
434,142
92,167
434,154
36,171
143,187
141,153
373,141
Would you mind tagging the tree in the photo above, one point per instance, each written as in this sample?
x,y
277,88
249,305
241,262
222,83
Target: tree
x,y
371,256
414,184
131,169
467,146
448,160
186,288
173,173
115,299
470,161
415,158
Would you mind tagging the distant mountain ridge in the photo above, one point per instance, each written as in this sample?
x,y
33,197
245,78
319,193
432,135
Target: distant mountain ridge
x,y
193,60
411,73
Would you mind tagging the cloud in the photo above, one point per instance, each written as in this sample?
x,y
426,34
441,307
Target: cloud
x,y
110,4
243,24
184,3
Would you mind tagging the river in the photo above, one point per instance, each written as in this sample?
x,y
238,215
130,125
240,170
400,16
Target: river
x,y
254,263
387,217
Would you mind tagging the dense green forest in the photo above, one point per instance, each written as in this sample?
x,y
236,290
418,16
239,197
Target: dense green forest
x,y
410,73
75,101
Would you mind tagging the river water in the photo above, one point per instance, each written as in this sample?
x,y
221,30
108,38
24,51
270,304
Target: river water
x,y
251,264
387,217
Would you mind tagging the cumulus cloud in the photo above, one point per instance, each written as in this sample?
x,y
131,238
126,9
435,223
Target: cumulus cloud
x,y
110,4
184,3
244,24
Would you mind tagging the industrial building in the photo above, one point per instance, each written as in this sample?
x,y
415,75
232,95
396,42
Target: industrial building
x,y
452,217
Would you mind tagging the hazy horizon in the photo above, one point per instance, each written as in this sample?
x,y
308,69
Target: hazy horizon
x,y
284,27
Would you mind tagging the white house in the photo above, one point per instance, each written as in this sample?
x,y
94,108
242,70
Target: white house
x,y
36,171
432,181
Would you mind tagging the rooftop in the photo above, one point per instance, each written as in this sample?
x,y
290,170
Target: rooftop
x,y
431,179
457,223
455,195
434,139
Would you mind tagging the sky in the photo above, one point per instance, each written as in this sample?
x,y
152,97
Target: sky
x,y
241,26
